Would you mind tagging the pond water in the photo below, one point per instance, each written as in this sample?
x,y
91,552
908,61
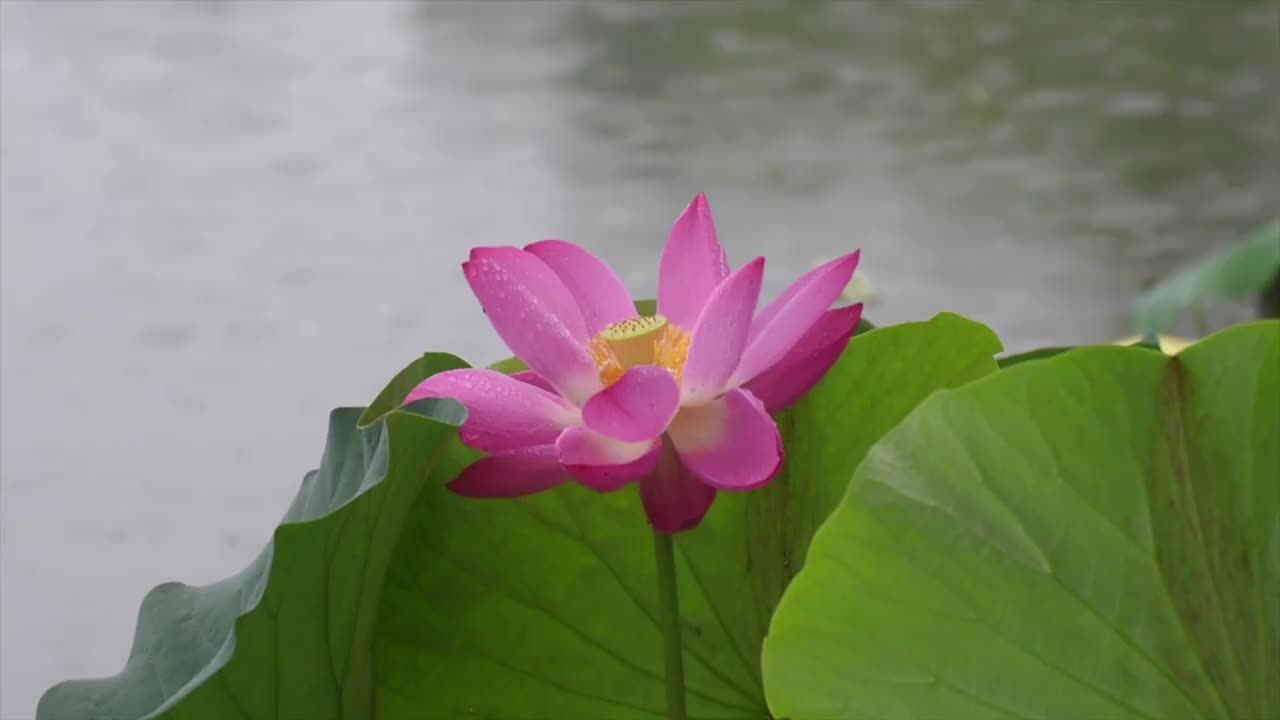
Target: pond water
x,y
222,219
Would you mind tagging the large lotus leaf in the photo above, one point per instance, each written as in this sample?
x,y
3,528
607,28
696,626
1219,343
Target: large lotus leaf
x,y
1233,274
290,635
545,607
1093,535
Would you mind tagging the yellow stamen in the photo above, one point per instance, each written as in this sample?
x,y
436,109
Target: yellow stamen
x,y
671,350
649,340
610,368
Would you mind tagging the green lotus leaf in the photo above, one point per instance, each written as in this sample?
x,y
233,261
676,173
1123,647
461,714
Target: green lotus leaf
x,y
290,635
1092,535
545,606
1236,273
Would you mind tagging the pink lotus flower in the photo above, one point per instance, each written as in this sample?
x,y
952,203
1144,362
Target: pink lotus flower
x,y
678,401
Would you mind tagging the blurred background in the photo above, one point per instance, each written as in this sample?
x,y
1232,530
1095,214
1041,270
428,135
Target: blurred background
x,y
221,219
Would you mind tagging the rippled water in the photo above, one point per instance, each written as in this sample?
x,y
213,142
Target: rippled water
x,y
221,219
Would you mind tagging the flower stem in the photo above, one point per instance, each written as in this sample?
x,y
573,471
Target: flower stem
x,y
669,613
